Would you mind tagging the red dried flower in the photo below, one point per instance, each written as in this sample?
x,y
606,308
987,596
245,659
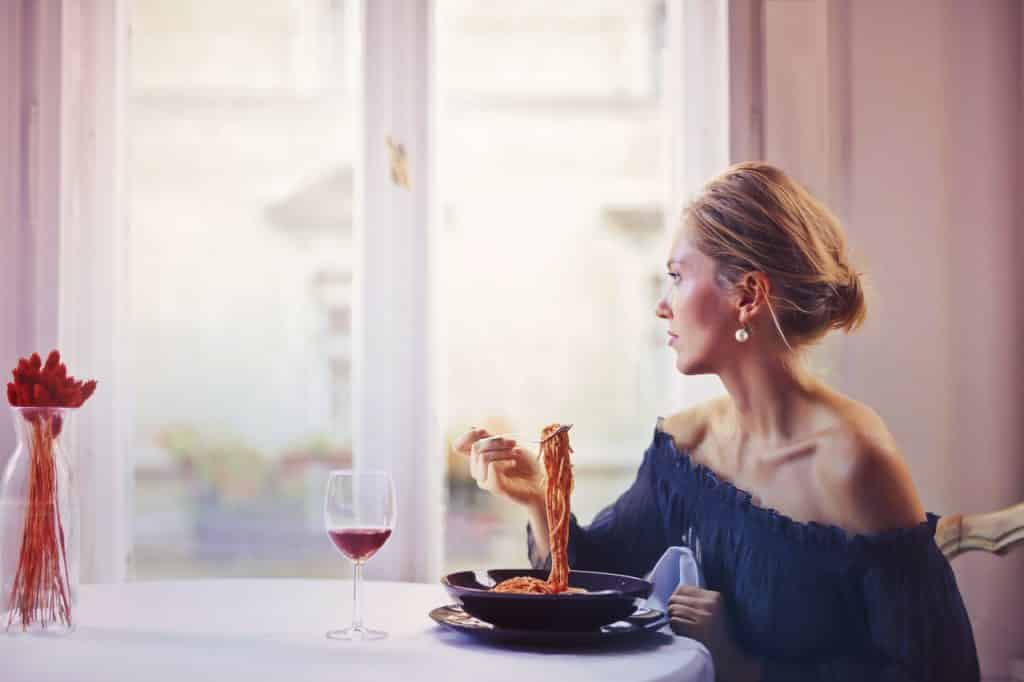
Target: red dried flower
x,y
46,385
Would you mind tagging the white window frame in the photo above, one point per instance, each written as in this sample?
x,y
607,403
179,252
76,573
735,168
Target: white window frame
x,y
63,189
397,393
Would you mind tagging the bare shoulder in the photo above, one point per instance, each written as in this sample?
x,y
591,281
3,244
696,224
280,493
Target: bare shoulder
x,y
689,427
863,473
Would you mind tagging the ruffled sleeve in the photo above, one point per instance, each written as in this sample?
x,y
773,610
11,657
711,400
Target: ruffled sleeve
x,y
625,537
915,619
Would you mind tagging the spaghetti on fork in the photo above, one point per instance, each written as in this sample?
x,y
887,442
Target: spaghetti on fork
x,y
558,474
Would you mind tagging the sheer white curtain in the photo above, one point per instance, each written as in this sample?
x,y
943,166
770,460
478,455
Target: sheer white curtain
x,y
63,235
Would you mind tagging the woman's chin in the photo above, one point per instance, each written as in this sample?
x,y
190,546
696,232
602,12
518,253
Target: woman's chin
x,y
691,366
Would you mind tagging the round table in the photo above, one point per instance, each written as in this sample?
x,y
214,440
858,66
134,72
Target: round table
x,y
274,630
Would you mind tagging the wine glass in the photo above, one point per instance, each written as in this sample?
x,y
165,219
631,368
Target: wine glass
x,y
359,515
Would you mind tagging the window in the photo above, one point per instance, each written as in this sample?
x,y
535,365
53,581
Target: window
x,y
240,159
284,291
552,176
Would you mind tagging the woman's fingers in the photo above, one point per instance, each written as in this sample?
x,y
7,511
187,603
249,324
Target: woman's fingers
x,y
498,456
465,442
523,454
493,443
690,600
688,613
687,620
488,458
684,628
474,465
482,453
687,594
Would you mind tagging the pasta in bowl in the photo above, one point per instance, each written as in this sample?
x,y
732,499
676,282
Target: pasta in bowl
x,y
592,600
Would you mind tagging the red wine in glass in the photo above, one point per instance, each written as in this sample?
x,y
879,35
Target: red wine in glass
x,y
359,544
359,515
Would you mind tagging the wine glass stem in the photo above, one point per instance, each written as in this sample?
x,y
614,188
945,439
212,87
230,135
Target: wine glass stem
x,y
357,579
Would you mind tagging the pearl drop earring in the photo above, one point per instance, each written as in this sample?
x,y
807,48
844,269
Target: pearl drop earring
x,y
742,335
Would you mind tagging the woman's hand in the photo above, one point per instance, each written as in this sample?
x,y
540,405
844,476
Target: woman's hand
x,y
701,615
500,467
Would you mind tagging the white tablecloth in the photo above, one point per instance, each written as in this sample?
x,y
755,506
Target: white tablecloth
x,y
256,630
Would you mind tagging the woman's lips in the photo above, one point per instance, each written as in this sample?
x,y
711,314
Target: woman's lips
x,y
671,337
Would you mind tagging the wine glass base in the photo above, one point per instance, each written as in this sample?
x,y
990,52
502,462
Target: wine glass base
x,y
352,634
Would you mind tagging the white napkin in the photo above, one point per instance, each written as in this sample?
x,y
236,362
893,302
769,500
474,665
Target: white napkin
x,y
676,567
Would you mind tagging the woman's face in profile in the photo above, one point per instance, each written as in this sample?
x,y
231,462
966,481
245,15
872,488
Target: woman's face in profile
x,y
700,315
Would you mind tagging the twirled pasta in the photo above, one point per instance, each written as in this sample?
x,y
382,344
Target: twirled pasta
x,y
558,473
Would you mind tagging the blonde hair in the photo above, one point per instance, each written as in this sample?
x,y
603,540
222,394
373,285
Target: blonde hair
x,y
755,218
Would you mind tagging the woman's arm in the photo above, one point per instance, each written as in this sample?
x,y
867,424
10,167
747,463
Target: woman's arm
x,y
918,626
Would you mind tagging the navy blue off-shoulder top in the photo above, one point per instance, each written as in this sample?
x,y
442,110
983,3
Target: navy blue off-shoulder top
x,y
811,601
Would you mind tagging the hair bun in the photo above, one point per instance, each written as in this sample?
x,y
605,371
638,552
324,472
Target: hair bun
x,y
848,306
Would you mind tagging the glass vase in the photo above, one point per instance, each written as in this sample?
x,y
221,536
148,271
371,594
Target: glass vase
x,y
39,526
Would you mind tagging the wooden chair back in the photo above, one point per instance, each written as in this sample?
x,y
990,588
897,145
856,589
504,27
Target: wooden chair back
x,y
997,532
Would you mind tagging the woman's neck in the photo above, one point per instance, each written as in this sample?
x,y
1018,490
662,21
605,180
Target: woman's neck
x,y
770,395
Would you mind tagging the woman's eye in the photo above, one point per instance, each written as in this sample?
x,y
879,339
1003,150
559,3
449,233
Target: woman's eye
x,y
674,276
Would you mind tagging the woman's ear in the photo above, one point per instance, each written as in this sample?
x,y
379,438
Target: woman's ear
x,y
752,291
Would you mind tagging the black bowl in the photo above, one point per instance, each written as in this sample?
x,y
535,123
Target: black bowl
x,y
609,597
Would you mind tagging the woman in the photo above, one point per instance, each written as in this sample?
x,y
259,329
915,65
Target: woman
x,y
819,560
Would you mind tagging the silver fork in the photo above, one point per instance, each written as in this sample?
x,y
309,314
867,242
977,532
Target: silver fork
x,y
564,428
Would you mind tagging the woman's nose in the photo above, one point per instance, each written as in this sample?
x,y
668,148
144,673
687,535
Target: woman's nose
x,y
662,310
